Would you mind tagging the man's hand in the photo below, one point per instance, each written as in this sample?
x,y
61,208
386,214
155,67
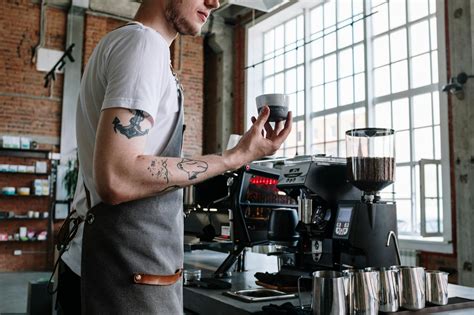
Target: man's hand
x,y
261,139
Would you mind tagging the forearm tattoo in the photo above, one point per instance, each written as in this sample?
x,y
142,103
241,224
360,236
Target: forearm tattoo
x,y
133,129
159,169
192,167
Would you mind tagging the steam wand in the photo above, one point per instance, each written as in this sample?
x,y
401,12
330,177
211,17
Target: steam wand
x,y
390,235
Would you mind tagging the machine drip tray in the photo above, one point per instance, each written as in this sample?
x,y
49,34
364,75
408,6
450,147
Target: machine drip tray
x,y
259,295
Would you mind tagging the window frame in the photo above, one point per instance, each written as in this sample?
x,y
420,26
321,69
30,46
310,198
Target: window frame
x,y
254,86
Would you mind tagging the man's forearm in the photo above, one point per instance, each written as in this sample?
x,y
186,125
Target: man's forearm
x,y
150,175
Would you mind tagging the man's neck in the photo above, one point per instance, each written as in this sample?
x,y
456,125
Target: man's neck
x,y
152,14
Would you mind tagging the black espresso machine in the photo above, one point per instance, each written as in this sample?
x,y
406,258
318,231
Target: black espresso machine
x,y
343,222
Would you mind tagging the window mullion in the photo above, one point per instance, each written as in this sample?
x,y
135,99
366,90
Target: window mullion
x,y
307,83
369,76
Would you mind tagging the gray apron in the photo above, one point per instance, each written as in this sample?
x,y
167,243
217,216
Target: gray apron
x,y
140,236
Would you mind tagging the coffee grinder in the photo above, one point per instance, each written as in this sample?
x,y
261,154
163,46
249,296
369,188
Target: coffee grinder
x,y
364,229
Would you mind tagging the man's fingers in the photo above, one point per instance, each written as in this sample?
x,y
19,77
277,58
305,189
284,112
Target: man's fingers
x,y
263,117
268,129
278,127
287,129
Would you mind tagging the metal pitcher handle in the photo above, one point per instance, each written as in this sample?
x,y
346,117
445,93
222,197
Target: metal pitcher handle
x,y
299,291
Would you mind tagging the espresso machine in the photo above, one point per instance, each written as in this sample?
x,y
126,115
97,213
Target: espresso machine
x,y
343,221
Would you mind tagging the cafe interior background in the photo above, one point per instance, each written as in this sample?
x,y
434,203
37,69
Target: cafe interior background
x,y
344,64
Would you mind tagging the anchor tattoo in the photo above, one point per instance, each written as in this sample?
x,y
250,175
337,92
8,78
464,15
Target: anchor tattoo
x,y
134,129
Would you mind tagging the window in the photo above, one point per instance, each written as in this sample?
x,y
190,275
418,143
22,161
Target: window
x,y
351,64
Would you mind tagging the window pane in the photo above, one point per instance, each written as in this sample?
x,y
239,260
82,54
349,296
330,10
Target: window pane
x,y
330,68
399,76
300,78
344,10
437,143
317,94
404,216
359,86
318,130
300,27
331,148
346,122
290,32
360,118
397,13
342,149
381,51
317,72
345,63
434,65
290,152
317,20
431,212
279,62
382,81
318,149
344,37
293,104
357,6
417,9
330,43
422,110
383,116
432,6
268,67
419,38
346,93
269,42
436,111
279,83
278,37
434,33
402,146
290,76
329,13
330,91
423,147
317,48
431,182
300,107
358,28
359,58
299,55
380,20
300,134
269,85
398,45
290,58
331,128
421,74
401,115
291,140
403,182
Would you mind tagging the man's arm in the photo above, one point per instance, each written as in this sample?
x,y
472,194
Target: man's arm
x,y
122,173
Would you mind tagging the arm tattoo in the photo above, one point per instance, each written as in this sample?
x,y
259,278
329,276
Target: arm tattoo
x,y
192,167
134,129
159,169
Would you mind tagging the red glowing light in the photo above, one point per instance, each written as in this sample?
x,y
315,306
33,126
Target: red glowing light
x,y
259,180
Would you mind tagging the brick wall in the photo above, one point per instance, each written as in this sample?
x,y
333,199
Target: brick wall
x,y
187,55
27,108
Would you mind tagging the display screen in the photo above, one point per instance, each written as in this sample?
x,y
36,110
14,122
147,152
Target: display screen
x,y
263,190
344,214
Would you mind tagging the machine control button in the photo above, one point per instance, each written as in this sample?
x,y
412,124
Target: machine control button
x,y
338,224
346,225
338,231
344,231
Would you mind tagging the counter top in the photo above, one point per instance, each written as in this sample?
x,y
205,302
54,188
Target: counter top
x,y
205,301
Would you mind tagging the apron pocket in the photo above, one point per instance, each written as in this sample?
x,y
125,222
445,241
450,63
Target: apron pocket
x,y
163,280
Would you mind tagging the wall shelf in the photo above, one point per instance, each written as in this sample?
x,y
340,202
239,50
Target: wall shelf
x,y
38,154
24,219
24,173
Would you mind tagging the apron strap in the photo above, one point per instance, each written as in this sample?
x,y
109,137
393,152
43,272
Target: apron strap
x,y
141,278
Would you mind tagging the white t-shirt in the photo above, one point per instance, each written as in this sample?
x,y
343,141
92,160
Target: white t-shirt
x,y
129,68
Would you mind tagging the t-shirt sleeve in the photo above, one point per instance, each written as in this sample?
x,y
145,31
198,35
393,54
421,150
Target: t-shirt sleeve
x,y
134,72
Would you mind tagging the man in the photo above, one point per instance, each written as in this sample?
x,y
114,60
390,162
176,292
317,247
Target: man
x,y
129,133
